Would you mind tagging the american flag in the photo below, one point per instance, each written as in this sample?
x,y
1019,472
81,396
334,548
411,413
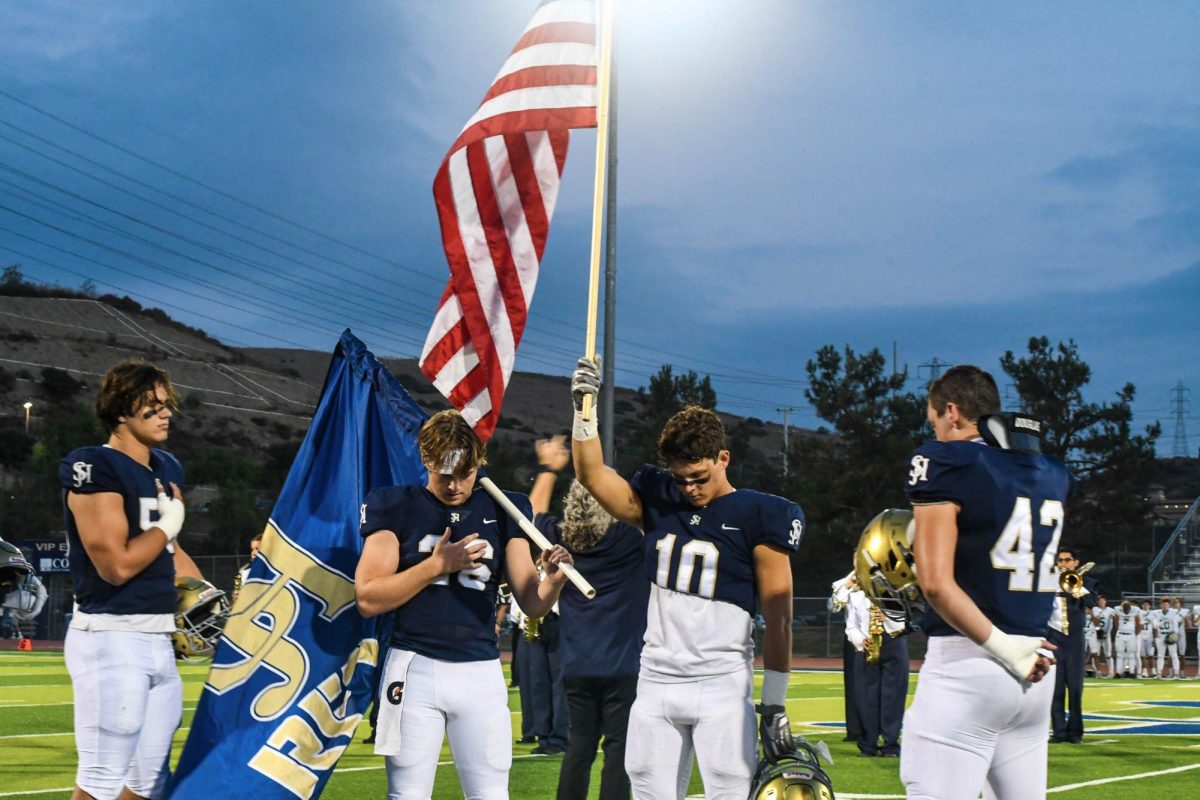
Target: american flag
x,y
495,195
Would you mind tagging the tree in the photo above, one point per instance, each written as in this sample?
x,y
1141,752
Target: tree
x,y
667,394
58,386
844,480
12,277
1112,463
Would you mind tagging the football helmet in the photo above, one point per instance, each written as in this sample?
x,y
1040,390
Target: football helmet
x,y
13,567
200,613
795,776
885,567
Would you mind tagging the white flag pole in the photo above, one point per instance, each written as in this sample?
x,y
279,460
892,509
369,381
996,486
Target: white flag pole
x,y
603,79
541,541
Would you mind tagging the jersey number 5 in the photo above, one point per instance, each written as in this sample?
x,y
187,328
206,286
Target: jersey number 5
x,y
1014,549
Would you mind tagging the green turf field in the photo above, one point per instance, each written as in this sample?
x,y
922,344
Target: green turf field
x,y
1143,741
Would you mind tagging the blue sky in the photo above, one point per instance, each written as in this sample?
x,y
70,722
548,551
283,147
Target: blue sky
x,y
951,177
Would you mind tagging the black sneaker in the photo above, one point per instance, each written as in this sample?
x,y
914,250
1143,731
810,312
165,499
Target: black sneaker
x,y
527,740
549,750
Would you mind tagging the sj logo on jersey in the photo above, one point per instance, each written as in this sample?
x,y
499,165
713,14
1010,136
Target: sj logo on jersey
x,y
796,534
81,473
919,471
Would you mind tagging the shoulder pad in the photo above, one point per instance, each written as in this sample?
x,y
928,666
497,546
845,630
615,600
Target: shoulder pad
x,y
1008,431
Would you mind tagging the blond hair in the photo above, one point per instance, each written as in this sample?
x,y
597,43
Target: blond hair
x,y
584,520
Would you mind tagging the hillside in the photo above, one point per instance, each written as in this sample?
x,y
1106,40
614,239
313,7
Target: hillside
x,y
250,398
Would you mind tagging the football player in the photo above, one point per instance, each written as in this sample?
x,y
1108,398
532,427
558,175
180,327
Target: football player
x,y
1127,622
711,552
436,554
1167,629
988,509
124,510
1091,639
1102,614
1148,618
1182,627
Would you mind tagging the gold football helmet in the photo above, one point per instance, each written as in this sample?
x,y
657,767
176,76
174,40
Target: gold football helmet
x,y
795,776
885,567
200,614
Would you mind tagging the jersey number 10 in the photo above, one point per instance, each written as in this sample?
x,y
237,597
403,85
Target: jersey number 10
x,y
696,550
1014,549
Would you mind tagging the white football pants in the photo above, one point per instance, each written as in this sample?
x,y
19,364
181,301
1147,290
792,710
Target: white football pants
x,y
1127,653
712,717
466,701
128,703
974,728
1162,648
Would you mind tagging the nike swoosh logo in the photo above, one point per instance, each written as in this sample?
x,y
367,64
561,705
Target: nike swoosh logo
x,y
725,527
488,521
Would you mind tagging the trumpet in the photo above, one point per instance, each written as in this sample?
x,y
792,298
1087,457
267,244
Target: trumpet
x,y
1070,581
533,628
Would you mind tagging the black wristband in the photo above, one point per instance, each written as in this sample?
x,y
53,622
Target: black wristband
x,y
542,468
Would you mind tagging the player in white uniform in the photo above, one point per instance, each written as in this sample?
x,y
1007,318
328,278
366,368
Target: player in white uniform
x,y
1166,634
1127,624
1183,623
711,552
1146,640
1102,619
982,494
1091,642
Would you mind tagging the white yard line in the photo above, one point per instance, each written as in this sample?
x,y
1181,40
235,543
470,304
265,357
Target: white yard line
x,y
1101,781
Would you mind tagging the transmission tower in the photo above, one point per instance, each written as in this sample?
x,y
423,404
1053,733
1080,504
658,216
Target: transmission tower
x,y
1179,404
933,368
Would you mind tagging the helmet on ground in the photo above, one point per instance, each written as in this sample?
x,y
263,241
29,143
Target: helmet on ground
x,y
13,567
797,776
200,614
885,566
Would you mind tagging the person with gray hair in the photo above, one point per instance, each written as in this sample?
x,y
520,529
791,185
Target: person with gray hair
x,y
601,639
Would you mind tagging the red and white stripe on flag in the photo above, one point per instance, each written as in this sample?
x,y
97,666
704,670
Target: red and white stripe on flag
x,y
495,195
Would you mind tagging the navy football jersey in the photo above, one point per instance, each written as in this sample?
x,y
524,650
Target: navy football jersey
x,y
1009,523
453,618
708,552
90,470
602,637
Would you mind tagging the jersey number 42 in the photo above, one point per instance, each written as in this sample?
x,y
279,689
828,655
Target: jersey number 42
x,y
1014,549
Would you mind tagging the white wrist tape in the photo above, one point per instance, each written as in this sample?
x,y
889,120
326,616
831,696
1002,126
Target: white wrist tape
x,y
774,688
170,516
1018,654
585,429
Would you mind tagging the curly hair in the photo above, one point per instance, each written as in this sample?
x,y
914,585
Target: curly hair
x,y
584,520
972,389
445,432
690,435
127,388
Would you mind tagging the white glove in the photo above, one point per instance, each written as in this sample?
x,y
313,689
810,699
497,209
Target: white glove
x,y
1018,654
585,381
170,518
